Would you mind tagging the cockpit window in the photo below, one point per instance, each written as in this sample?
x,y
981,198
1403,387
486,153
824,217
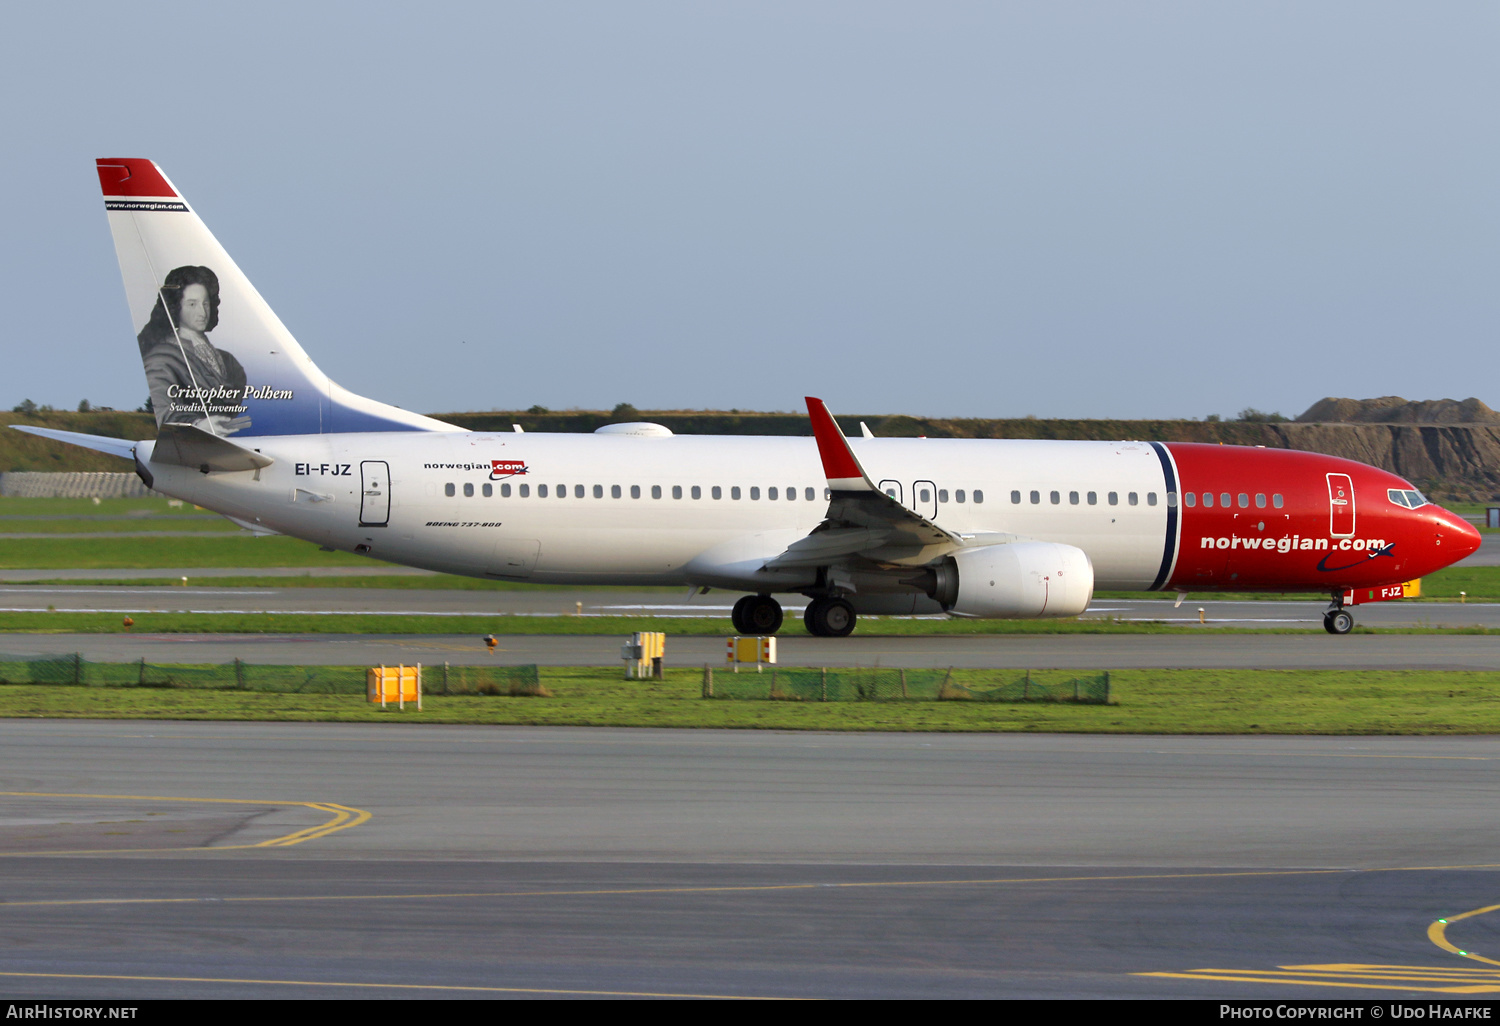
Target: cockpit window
x,y
1409,499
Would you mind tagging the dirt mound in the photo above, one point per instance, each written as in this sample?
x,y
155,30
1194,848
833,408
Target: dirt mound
x,y
1393,409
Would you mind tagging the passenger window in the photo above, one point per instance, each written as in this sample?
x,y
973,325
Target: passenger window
x,y
677,491
1208,500
562,491
1225,500
1056,497
599,491
717,492
1093,498
925,496
1015,497
635,491
541,491
978,495
734,493
1171,500
1244,501
772,494
1135,500
1189,499
488,490
615,492
468,490
697,492
754,494
958,496
827,494
578,492
449,490
1114,498
791,494
505,491
1276,500
1151,498
1072,498
526,491
1036,497
942,495
810,494
1260,500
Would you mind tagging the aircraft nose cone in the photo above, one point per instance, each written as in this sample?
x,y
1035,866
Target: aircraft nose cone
x,y
1460,534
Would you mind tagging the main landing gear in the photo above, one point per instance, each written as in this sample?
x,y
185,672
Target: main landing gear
x,y
825,617
756,615
829,618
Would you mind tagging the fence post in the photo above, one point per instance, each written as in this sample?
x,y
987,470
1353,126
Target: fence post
x,y
903,683
445,676
824,696
708,681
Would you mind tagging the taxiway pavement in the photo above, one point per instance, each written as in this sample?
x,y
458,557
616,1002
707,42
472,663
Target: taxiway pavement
x,y
510,861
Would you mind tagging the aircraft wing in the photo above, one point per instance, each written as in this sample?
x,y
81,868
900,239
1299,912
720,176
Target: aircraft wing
x,y
862,521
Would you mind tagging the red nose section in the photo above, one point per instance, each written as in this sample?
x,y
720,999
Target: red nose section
x,y
1466,537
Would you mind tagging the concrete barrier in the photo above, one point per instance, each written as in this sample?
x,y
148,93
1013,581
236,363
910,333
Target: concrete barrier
x,y
36,485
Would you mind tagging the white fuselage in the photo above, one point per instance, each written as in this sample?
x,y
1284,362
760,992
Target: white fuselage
x,y
601,520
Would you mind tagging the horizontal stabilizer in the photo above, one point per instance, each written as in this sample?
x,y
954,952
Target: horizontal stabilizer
x,y
122,447
187,446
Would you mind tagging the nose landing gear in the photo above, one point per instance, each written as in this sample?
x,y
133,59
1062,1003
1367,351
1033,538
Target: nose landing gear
x,y
756,615
1337,620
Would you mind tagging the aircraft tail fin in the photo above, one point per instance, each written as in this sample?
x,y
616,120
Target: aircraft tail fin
x,y
216,356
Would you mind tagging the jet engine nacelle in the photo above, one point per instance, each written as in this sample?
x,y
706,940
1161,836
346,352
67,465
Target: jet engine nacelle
x,y
1016,581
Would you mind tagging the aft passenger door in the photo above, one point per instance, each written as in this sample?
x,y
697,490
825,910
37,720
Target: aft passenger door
x,y
374,493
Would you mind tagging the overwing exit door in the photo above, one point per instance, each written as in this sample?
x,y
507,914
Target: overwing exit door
x,y
1340,505
374,493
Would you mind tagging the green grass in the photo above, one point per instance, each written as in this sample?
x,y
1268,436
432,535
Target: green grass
x,y
144,553
132,525
11,506
1145,701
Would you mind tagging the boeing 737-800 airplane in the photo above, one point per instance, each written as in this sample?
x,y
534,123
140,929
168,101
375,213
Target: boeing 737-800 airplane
x,y
250,427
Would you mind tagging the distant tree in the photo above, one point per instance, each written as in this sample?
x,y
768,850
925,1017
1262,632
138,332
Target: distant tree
x,y
26,406
84,407
1252,415
538,409
1212,418
624,411
146,407
44,408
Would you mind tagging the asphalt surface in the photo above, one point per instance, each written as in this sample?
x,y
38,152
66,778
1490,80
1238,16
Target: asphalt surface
x,y
204,598
561,862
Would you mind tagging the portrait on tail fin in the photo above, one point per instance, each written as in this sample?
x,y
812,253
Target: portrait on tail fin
x,y
191,381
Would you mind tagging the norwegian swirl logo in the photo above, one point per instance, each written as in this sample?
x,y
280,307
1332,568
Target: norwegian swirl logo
x,y
506,468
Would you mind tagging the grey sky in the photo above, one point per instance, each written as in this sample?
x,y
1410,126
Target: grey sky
x,y
1063,209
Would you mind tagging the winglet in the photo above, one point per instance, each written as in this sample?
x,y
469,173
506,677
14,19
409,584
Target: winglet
x,y
839,463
